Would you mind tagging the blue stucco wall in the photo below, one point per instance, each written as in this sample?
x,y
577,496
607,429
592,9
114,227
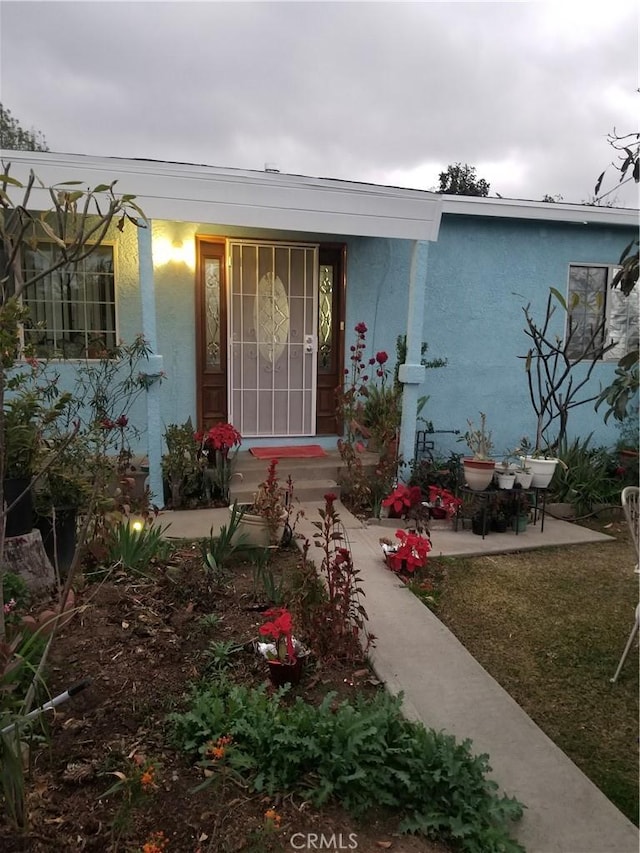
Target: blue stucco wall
x,y
481,273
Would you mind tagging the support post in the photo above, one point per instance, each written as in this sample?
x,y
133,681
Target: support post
x,y
412,372
154,364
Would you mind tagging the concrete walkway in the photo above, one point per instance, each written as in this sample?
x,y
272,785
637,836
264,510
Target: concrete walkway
x,y
446,688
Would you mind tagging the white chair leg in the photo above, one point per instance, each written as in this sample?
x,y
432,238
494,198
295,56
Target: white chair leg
x,y
632,637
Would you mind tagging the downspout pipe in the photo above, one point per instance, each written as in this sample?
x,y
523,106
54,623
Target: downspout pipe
x,y
412,372
153,368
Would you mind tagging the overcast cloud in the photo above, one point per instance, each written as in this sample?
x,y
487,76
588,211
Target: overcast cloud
x,y
385,92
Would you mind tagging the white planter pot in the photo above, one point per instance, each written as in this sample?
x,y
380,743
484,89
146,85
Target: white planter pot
x,y
506,479
524,478
253,532
542,470
478,474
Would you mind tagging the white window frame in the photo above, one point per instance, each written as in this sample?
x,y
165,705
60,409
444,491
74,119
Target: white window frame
x,y
86,330
612,297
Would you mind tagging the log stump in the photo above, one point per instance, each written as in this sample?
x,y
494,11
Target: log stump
x,y
25,556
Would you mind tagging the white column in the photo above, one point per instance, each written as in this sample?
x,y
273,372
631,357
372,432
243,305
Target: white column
x,y
412,373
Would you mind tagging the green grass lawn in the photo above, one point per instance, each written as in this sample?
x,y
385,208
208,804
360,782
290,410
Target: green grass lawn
x,y
550,626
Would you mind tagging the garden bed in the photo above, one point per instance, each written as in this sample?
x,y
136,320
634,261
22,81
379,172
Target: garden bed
x,y
142,641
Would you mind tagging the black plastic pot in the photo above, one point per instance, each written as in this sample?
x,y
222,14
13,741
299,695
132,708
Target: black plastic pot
x,y
499,525
20,518
62,545
480,524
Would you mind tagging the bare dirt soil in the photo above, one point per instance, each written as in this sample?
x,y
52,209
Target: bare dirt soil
x,y
141,641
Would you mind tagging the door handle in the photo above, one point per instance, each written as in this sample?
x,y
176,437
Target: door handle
x,y
309,344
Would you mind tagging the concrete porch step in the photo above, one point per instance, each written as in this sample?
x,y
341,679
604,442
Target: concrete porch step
x,y
303,490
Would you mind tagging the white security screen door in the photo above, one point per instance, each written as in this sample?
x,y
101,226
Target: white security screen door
x,y
272,340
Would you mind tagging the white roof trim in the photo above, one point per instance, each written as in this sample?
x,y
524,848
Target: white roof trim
x,y
582,214
208,194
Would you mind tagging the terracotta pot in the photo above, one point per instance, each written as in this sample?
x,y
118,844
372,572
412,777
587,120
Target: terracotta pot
x,y
478,473
285,673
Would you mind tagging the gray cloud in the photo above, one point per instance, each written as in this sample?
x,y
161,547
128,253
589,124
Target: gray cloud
x,y
350,90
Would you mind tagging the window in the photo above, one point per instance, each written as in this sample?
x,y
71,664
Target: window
x,y
72,310
591,300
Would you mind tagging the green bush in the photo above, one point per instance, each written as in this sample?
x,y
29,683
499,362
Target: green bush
x,y
587,478
363,754
135,549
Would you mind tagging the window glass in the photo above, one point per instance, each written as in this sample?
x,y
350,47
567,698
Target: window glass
x,y
72,311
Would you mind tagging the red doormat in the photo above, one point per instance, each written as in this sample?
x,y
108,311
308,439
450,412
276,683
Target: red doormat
x,y
304,451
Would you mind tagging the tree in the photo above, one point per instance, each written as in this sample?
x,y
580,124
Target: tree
x,y
461,179
15,138
621,393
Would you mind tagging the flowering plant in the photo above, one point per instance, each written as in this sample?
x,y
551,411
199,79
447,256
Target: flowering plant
x,y
216,446
444,500
221,438
402,499
410,554
279,629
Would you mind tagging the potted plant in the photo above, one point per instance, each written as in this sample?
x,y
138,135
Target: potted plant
x,y
282,651
505,476
409,555
541,461
219,449
181,466
264,520
478,470
63,489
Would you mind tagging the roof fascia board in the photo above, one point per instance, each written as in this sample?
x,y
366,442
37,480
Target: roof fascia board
x,y
233,197
582,214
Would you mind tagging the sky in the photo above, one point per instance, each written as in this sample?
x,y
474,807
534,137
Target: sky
x,y
386,92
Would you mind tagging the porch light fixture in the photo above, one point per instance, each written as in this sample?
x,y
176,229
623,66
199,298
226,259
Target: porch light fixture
x,y
166,251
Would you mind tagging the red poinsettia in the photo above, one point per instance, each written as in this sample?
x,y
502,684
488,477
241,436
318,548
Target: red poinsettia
x,y
411,554
402,499
279,628
442,499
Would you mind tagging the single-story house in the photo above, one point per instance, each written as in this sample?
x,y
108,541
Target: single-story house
x,y
247,286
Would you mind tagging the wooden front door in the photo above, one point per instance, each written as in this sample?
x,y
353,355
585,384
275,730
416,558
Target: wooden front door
x,y
229,292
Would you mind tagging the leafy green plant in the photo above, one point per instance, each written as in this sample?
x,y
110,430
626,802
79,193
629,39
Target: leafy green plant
x,y
134,549
180,465
363,754
264,577
218,550
218,654
585,478
210,620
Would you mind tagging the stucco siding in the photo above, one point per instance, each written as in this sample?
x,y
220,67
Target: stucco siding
x,y
481,273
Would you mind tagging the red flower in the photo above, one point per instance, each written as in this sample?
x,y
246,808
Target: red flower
x,y
222,437
280,628
381,357
411,554
372,361
330,497
361,328
107,423
122,421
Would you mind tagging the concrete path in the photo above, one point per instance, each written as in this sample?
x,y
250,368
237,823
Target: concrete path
x,y
446,688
